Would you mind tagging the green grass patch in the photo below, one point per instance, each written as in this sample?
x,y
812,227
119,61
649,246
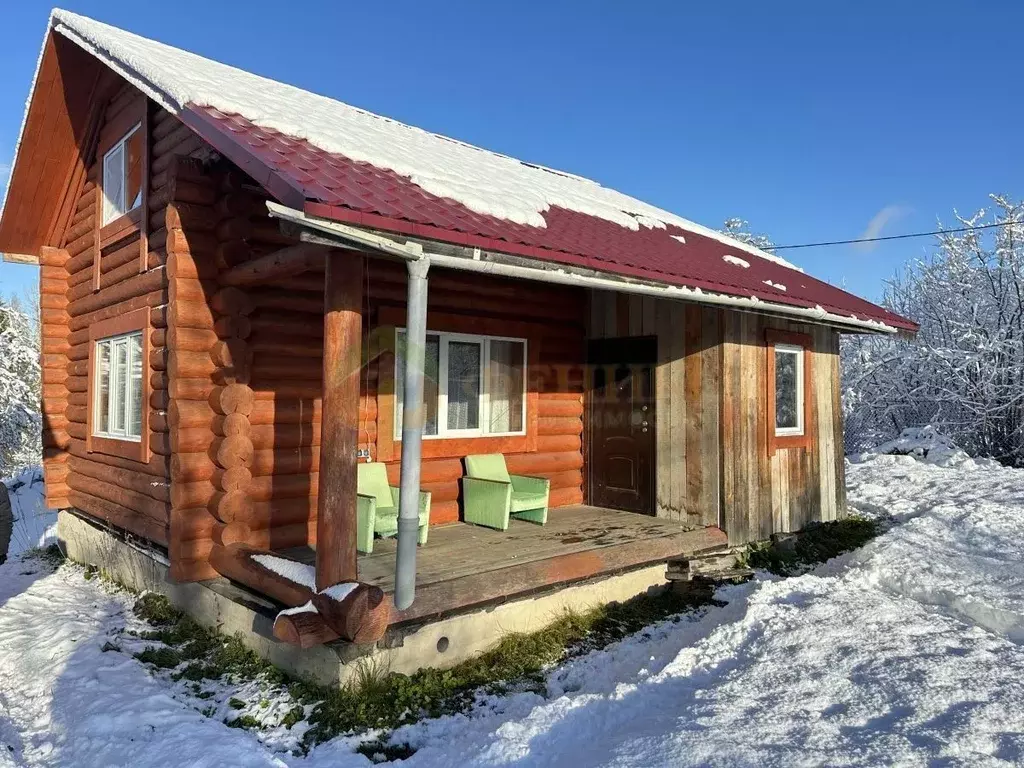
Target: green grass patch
x,y
245,722
50,556
815,544
211,654
163,658
156,610
377,699
379,752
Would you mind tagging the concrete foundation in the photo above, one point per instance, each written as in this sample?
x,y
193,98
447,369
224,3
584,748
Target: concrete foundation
x,y
442,643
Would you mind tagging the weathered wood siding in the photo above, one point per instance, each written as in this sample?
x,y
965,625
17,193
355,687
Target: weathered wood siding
x,y
686,396
712,461
762,493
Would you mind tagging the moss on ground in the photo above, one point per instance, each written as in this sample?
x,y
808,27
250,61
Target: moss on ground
x,y
815,544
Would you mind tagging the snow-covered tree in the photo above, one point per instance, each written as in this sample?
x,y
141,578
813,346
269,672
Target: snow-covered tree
x,y
964,373
739,229
20,423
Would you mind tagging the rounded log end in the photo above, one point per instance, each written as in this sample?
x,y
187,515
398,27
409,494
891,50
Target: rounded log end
x,y
362,616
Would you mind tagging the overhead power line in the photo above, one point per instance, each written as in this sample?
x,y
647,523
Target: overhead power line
x,y
893,237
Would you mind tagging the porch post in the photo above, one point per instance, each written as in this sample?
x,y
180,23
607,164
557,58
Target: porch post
x,y
339,421
412,433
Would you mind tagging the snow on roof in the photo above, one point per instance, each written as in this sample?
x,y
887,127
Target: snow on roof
x,y
736,261
344,164
484,181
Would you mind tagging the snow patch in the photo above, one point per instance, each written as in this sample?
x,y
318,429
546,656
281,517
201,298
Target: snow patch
x,y
777,286
304,608
736,261
298,573
35,525
680,238
339,592
924,443
909,651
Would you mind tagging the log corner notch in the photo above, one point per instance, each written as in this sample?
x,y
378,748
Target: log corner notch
x,y
358,613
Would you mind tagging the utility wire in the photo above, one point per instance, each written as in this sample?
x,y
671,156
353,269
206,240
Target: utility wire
x,y
893,237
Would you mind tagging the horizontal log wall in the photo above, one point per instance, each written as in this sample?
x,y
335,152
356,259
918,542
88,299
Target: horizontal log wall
x,y
713,466
552,319
54,319
286,343
77,290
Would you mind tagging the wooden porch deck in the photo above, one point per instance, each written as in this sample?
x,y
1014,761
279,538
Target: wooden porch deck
x,y
467,565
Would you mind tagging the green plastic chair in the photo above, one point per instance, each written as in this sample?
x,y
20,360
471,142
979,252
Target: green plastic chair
x,y
491,495
377,507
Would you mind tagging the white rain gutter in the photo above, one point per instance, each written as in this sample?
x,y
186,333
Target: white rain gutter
x,y
567,275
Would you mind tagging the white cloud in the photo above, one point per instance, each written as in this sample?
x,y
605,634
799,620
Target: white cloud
x,y
888,215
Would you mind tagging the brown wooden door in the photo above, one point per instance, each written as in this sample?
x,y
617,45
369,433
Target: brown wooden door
x,y
621,456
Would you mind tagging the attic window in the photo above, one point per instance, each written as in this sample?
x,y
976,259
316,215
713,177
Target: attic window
x,y
122,176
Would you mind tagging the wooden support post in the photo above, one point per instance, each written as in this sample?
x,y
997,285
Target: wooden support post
x,y
336,501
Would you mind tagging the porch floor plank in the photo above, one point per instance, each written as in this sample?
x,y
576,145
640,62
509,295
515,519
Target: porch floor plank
x,y
577,542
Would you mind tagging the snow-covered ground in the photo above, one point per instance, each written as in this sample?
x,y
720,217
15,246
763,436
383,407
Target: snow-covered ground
x,y
905,652
34,524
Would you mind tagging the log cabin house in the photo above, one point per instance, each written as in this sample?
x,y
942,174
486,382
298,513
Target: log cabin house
x,y
247,289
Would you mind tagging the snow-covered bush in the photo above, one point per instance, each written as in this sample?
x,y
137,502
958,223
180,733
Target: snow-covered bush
x,y
964,373
739,229
20,424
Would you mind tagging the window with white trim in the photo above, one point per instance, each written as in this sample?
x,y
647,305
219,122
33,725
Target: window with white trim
x,y
789,390
117,389
122,176
473,385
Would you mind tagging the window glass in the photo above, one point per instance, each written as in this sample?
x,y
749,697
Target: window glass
x,y
122,176
464,385
135,385
113,184
484,385
788,390
431,366
102,413
133,170
119,387
506,376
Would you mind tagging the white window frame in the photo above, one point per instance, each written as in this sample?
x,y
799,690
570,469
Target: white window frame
x,y
799,351
110,207
444,338
125,408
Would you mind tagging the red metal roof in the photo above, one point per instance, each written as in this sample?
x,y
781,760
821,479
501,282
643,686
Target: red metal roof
x,y
335,187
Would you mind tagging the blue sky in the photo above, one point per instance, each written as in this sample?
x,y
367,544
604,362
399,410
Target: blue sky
x,y
814,121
